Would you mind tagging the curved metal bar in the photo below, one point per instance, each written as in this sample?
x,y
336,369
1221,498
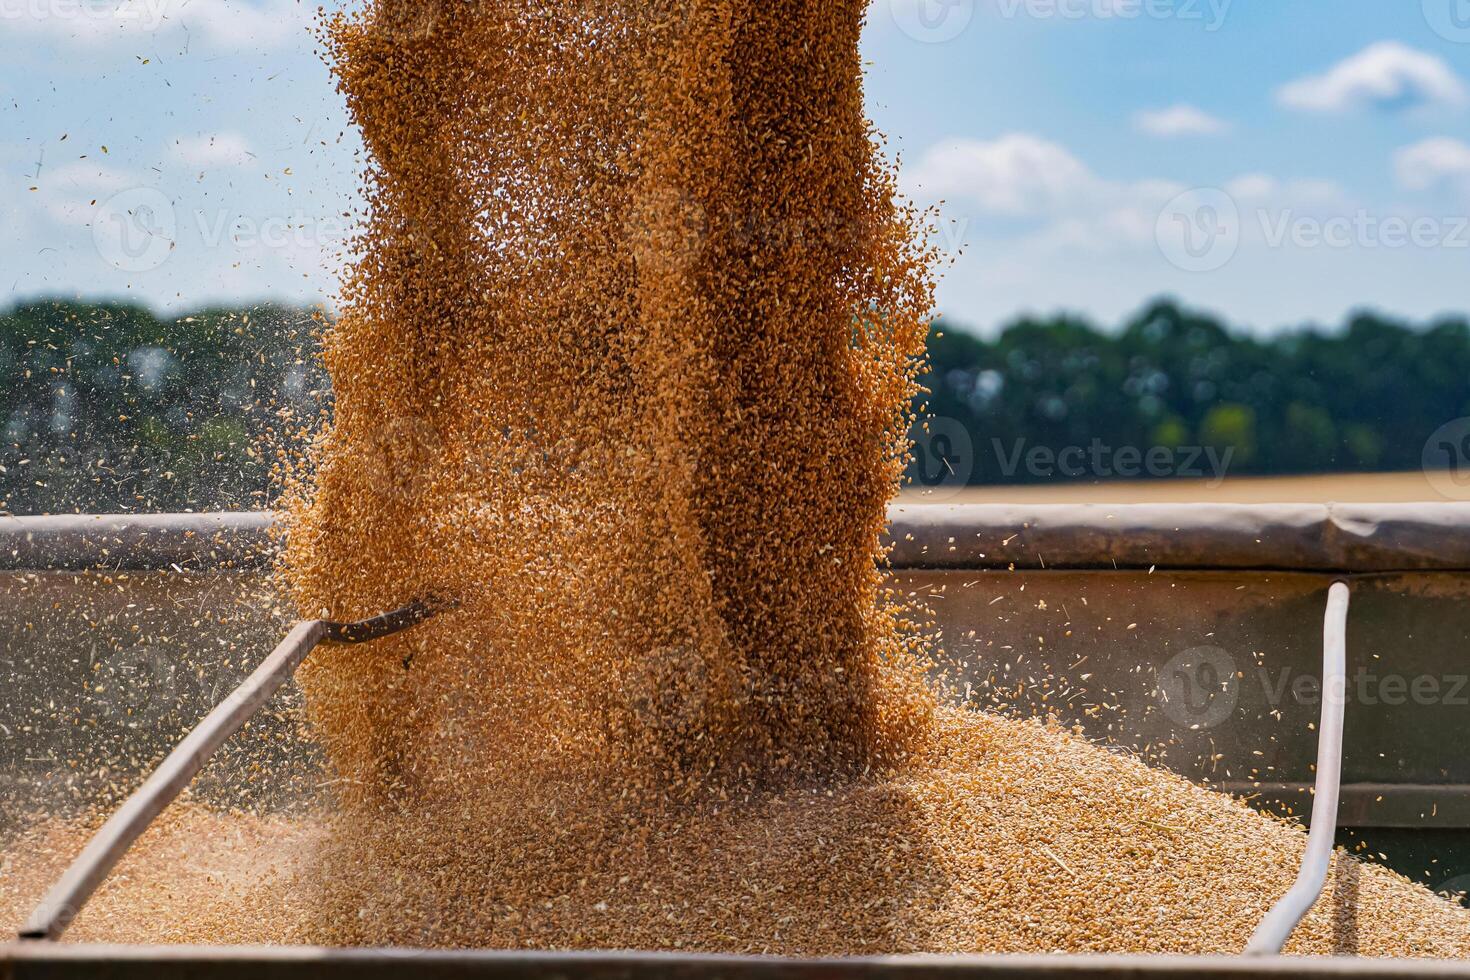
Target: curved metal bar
x,y
1276,928
367,630
107,847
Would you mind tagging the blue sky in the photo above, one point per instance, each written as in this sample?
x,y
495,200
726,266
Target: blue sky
x,y
1277,161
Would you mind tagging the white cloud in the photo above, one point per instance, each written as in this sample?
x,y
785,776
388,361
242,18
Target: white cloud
x,y
1387,75
15,220
221,23
1264,190
1432,164
1253,187
239,23
82,176
218,150
1102,244
1021,176
1039,197
70,194
1017,174
1178,120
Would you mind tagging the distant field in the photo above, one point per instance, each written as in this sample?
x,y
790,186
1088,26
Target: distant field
x,y
1343,488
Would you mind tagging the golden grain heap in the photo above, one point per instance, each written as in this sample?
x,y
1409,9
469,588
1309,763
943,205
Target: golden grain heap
x,y
623,368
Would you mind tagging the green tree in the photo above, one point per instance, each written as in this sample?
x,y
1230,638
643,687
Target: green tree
x,y
1231,428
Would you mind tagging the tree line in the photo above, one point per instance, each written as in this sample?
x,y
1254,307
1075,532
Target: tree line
x,y
110,407
1173,392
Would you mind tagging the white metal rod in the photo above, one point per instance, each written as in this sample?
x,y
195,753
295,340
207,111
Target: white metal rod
x,y
123,828
1271,935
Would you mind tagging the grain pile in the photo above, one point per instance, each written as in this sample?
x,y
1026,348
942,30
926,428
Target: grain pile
x,y
624,367
1001,836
